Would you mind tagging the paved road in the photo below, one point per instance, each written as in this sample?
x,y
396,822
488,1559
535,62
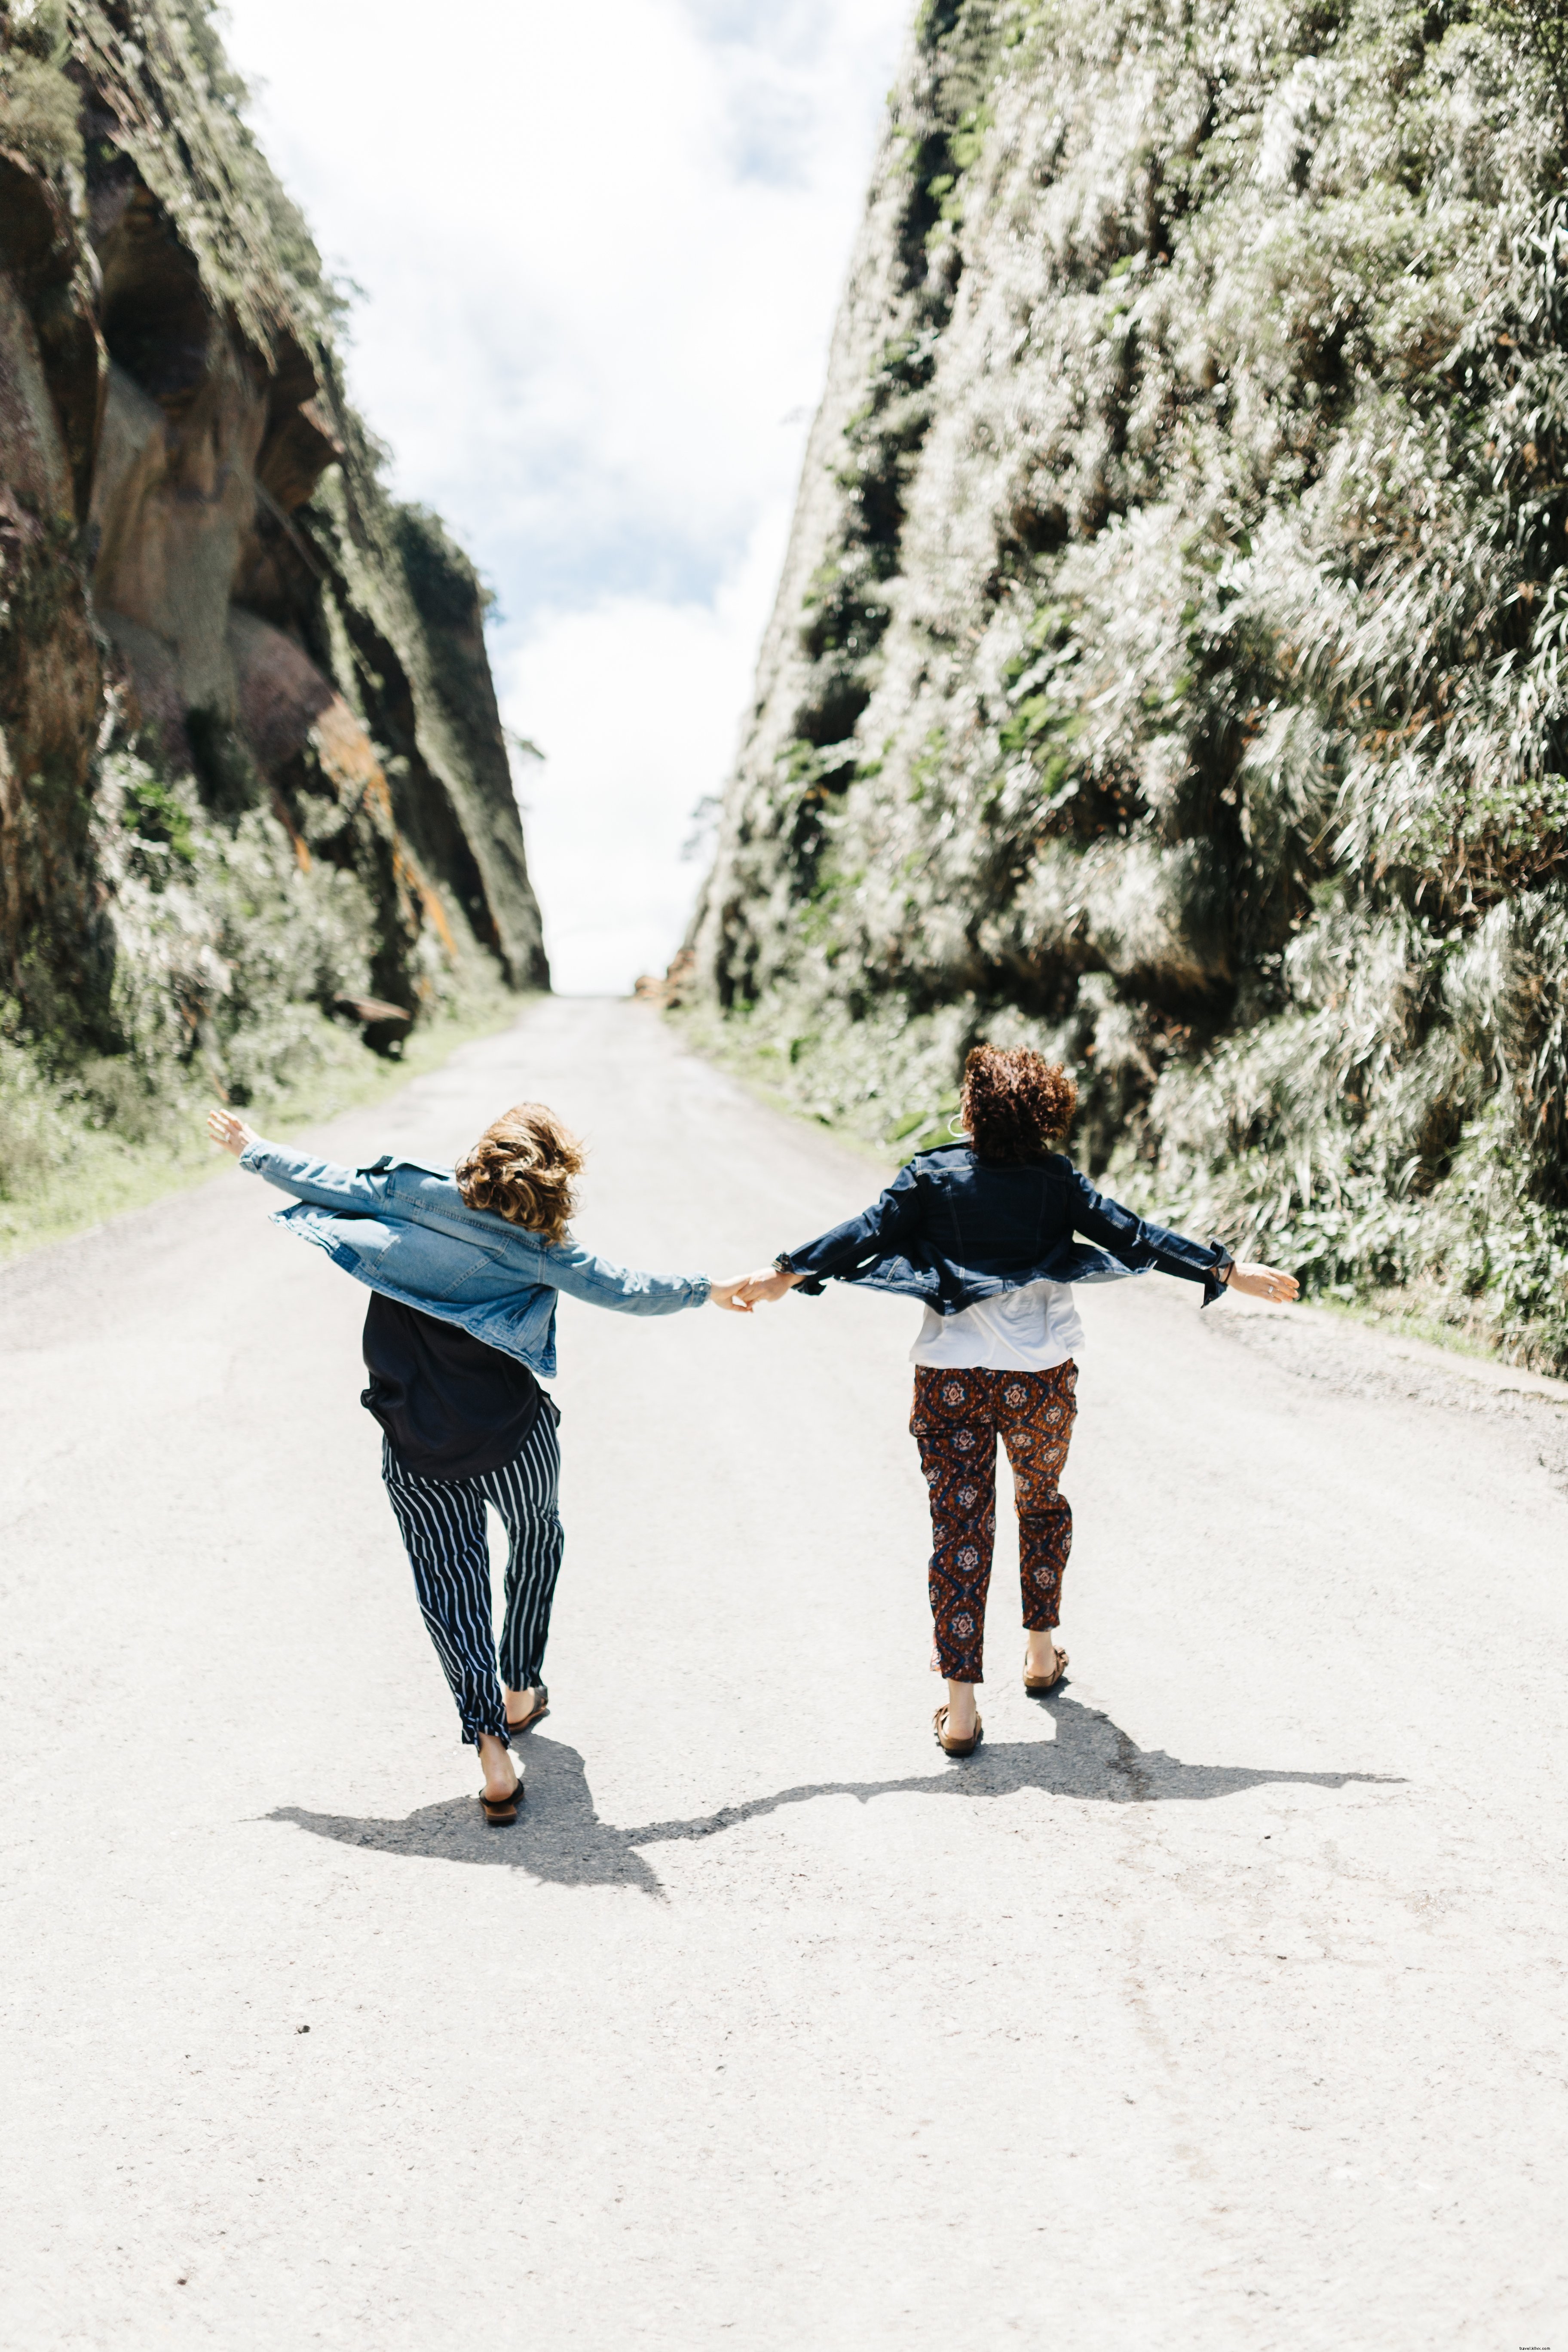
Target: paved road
x,y
1218,2003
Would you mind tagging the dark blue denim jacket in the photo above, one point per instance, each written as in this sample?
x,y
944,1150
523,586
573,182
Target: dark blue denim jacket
x,y
950,1230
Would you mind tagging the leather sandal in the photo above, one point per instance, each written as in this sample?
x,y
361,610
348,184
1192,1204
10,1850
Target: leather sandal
x,y
539,1712
500,1811
1036,1685
956,1747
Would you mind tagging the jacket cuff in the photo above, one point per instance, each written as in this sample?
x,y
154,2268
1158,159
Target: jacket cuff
x,y
251,1157
812,1285
1214,1280
701,1289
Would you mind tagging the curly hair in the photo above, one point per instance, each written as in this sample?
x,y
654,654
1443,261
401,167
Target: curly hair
x,y
1015,1104
523,1167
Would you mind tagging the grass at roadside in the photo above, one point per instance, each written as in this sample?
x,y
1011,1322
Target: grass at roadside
x,y
82,1173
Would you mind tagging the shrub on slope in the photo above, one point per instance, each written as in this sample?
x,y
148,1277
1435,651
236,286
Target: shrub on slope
x,y
1172,663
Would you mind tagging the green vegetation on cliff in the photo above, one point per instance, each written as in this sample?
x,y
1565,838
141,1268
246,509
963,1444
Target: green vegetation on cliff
x,y
256,807
1171,666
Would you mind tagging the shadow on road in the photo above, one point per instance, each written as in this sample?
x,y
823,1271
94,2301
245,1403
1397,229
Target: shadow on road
x,y
560,1837
1091,1758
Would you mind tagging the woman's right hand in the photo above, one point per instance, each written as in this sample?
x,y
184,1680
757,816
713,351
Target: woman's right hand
x,y
229,1132
1263,1281
731,1295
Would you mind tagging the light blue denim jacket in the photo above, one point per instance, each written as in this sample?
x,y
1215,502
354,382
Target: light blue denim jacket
x,y
407,1231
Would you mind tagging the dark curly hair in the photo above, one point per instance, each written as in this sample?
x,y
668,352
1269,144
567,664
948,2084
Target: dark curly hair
x,y
523,1167
1016,1106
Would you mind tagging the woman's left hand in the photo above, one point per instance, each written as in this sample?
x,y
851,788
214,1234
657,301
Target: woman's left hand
x,y
230,1132
1263,1281
728,1294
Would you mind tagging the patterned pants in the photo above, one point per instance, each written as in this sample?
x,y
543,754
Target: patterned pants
x,y
957,1419
442,1522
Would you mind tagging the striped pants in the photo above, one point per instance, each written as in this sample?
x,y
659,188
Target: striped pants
x,y
443,1524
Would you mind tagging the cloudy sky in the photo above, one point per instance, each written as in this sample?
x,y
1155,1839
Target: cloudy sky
x,y
599,251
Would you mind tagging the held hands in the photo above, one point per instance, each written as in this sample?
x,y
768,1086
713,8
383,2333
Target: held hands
x,y
753,1290
230,1132
1263,1281
760,1289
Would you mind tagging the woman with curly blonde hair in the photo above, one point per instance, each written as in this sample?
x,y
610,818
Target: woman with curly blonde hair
x,y
464,1268
990,1234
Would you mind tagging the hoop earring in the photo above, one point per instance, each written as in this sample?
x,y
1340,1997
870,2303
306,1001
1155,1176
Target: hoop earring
x,y
953,1128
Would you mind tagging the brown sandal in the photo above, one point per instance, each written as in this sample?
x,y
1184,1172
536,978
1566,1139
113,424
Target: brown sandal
x,y
1036,1685
500,1811
539,1712
956,1747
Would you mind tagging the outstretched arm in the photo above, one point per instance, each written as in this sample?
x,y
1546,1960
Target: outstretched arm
x,y
577,1271
568,1266
769,1283
1137,1242
322,1182
876,1230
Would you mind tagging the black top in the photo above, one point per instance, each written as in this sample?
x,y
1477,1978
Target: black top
x,y
450,1406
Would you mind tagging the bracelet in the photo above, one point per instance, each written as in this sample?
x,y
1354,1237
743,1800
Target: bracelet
x,y
781,1263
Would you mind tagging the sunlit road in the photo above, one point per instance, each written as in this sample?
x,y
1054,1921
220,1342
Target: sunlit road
x,y
1217,2002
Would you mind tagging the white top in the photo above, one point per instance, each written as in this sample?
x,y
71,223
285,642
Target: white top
x,y
1024,1330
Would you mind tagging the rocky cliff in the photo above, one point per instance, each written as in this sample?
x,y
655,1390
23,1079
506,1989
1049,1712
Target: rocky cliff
x,y
251,768
1171,660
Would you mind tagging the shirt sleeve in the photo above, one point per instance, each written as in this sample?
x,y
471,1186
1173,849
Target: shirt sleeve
x,y
891,1220
621,1288
320,1182
1139,1243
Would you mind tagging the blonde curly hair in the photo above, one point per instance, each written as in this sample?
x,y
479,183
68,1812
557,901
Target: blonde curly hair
x,y
524,1167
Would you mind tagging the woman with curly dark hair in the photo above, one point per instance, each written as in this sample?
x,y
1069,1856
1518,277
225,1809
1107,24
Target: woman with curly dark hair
x,y
464,1267
991,1235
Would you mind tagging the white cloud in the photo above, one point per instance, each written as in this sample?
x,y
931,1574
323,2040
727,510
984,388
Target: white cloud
x,y
600,251
610,811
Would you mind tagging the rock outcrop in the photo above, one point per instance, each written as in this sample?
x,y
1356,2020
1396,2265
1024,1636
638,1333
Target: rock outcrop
x,y
224,650
1168,664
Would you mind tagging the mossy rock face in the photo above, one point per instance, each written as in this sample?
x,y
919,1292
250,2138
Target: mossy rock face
x,y
1166,666
251,765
